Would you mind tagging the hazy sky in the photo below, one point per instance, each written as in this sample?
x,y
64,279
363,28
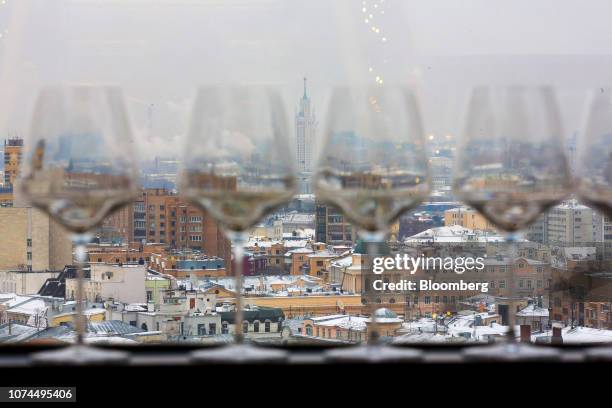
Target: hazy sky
x,y
159,51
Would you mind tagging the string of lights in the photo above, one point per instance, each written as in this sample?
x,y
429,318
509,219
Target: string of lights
x,y
373,12
3,31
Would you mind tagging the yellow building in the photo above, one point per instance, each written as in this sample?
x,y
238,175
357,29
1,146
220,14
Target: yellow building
x,y
92,315
30,240
295,306
319,263
299,260
468,218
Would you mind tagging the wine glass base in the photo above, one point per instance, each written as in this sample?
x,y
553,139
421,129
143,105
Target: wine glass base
x,y
240,354
511,352
80,355
602,354
374,354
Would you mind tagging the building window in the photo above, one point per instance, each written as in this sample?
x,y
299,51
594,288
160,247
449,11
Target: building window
x,y
256,326
267,326
245,327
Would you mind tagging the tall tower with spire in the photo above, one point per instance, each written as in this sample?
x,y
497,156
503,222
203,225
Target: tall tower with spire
x,y
305,130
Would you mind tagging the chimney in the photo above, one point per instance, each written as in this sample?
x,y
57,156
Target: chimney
x,y
525,333
557,338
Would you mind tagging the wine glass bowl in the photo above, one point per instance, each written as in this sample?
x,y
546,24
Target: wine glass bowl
x,y
78,165
511,165
372,163
238,165
595,158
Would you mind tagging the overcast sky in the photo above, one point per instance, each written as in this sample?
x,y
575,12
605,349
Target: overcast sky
x,y
159,51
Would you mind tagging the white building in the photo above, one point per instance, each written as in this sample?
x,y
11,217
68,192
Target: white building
x,y
572,223
23,282
123,283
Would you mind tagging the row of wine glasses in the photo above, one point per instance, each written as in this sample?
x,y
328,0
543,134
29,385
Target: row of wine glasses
x,y
238,163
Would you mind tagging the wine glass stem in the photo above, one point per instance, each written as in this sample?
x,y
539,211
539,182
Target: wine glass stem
x,y
372,239
80,242
512,238
239,240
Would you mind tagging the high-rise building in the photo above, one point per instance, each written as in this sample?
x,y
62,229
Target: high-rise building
x,y
305,129
13,148
538,230
331,226
159,216
571,223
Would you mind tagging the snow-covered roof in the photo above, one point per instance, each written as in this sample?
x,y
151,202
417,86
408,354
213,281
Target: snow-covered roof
x,y
533,311
343,321
33,306
343,262
323,254
581,335
454,233
300,251
9,300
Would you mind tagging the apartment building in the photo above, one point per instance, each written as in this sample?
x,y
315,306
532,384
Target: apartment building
x,y
160,216
123,283
572,223
332,227
468,218
30,241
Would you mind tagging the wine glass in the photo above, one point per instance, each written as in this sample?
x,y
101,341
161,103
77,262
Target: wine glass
x,y
594,169
372,165
78,169
511,167
238,166
594,172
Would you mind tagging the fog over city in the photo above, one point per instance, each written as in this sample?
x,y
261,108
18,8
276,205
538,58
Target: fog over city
x,y
159,51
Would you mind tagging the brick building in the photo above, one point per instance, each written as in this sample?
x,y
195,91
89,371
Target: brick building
x,y
159,216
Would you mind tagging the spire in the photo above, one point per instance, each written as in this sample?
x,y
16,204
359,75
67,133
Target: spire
x,y
305,96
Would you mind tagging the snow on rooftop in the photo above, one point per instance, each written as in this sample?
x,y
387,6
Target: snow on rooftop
x,y
32,306
12,299
323,254
580,335
533,311
454,233
343,262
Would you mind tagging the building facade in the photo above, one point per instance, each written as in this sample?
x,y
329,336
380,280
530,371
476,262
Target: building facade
x,y
305,129
30,240
332,227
